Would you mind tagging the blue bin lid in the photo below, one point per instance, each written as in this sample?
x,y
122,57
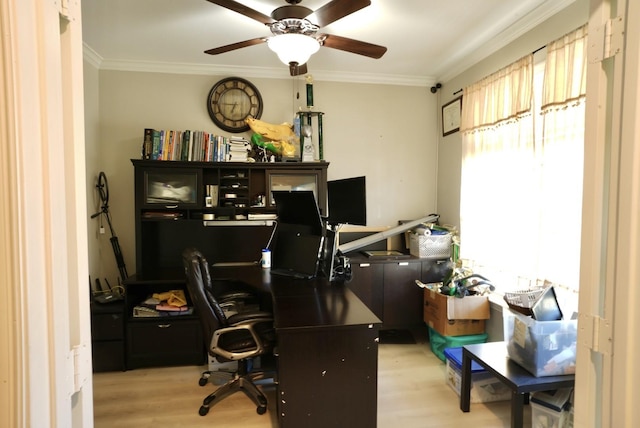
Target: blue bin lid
x,y
455,356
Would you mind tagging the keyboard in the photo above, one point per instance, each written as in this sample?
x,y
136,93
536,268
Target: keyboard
x,y
292,274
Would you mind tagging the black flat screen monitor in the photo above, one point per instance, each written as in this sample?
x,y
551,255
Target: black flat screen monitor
x,y
347,201
300,208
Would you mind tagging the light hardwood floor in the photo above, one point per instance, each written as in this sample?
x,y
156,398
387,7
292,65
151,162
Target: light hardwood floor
x,y
412,393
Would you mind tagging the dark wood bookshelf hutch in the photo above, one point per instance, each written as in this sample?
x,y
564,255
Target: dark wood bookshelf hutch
x,y
217,207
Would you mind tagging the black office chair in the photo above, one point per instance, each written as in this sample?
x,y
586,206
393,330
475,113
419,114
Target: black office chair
x,y
240,337
232,295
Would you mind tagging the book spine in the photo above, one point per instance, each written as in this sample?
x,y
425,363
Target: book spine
x,y
191,137
156,145
184,153
161,145
170,146
147,143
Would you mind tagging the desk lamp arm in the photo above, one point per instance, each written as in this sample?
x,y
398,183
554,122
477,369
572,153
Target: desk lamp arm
x,y
367,240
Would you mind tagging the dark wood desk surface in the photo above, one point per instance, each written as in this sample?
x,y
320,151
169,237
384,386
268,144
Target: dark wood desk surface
x,y
303,303
493,357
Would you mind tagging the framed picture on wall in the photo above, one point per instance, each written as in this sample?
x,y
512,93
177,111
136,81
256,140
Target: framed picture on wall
x,y
451,116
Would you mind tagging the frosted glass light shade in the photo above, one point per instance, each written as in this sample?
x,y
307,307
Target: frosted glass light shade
x,y
293,47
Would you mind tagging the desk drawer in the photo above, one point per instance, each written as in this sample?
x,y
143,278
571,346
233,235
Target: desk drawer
x,y
164,342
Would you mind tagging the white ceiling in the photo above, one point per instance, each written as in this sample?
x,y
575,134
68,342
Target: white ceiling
x,y
428,40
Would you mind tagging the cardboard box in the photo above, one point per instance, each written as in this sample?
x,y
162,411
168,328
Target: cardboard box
x,y
454,316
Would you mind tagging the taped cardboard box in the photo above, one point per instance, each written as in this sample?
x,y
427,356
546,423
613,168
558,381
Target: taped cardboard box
x,y
454,316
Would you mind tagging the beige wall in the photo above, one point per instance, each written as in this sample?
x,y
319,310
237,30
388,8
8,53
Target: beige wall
x,y
385,132
450,147
98,247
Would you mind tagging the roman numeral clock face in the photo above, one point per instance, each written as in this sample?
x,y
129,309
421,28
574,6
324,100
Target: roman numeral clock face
x,y
231,101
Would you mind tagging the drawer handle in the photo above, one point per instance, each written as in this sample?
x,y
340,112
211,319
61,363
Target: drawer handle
x,y
171,206
164,325
364,265
403,263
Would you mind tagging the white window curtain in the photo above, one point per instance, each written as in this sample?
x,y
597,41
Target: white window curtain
x,y
498,174
521,193
563,124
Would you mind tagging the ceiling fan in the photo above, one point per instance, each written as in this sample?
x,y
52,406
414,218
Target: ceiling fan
x,y
295,38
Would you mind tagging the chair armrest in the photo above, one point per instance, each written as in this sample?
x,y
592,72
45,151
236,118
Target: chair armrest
x,y
243,324
248,316
235,295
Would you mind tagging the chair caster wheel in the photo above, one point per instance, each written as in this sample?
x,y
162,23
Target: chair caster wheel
x,y
204,410
203,381
261,410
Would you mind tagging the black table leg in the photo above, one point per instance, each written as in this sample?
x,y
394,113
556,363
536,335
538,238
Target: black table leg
x,y
517,409
465,388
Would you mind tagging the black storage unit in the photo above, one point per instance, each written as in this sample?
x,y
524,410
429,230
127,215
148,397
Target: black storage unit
x,y
107,336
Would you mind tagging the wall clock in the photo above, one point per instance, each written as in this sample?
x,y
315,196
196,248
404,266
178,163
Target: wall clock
x,y
231,101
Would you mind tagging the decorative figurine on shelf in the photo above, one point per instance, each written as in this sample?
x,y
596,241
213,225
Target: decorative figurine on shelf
x,y
278,139
307,150
309,85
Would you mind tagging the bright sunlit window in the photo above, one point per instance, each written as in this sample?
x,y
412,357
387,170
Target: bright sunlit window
x,y
522,169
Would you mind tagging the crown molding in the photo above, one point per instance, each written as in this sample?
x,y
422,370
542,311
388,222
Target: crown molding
x,y
91,56
252,72
466,59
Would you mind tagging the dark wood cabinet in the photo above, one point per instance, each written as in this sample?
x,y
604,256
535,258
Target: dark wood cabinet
x,y
160,341
389,290
182,204
210,206
402,297
367,283
332,385
107,336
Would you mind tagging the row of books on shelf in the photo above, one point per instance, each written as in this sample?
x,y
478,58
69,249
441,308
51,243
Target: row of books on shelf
x,y
193,146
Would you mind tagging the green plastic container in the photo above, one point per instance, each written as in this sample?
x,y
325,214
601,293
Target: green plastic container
x,y
439,342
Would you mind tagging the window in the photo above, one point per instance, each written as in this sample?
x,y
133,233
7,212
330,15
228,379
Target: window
x,y
521,194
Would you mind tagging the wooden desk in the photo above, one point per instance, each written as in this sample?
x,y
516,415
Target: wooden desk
x,y
493,357
327,350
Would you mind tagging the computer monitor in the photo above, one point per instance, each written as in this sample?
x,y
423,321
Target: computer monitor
x,y
299,235
347,201
299,208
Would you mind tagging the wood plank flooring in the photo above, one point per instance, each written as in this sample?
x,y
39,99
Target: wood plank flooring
x,y
412,393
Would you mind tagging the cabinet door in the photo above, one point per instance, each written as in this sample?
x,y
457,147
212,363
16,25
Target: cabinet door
x,y
402,297
169,188
367,284
296,180
316,379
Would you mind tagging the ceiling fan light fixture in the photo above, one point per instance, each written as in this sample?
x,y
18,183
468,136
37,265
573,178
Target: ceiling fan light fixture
x,y
293,47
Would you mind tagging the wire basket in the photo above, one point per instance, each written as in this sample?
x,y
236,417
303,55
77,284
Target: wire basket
x,y
522,301
430,246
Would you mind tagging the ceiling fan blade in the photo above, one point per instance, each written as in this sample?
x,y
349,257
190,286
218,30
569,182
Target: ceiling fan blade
x,y
297,70
353,46
243,10
337,9
234,46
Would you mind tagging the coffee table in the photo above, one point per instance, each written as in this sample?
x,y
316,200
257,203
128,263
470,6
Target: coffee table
x,y
493,357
